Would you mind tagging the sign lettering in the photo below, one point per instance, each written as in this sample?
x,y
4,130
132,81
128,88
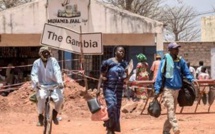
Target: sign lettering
x,y
68,40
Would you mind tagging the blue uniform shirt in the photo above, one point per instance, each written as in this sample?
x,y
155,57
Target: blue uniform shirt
x,y
180,69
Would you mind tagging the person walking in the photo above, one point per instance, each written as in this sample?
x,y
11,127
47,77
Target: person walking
x,y
46,71
141,75
113,74
204,90
198,70
155,67
192,70
176,68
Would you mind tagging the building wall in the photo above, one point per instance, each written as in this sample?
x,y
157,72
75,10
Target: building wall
x,y
208,28
195,51
111,21
27,18
30,18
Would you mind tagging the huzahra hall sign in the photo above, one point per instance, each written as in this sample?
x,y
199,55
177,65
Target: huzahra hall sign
x,y
68,40
67,12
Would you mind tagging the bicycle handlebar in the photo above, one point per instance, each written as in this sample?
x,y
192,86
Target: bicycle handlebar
x,y
48,87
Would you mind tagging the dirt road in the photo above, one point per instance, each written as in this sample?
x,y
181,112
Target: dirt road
x,y
18,116
24,123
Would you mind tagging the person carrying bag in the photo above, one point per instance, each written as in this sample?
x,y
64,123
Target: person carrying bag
x,y
176,66
98,107
114,73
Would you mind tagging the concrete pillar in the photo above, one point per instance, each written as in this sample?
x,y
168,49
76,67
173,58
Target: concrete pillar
x,y
159,44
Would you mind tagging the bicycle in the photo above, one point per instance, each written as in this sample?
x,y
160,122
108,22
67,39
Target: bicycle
x,y
49,106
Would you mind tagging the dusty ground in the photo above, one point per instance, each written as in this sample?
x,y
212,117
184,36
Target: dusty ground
x,y
18,116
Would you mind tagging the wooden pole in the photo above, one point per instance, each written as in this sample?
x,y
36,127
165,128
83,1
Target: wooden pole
x,y
46,6
61,51
82,61
144,107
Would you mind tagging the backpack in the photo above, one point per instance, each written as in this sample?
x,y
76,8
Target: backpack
x,y
187,94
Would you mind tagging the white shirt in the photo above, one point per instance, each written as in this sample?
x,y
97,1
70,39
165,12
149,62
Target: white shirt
x,y
193,71
203,76
49,75
198,70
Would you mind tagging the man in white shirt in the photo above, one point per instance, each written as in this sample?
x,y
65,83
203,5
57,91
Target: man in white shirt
x,y
46,71
198,70
192,70
204,90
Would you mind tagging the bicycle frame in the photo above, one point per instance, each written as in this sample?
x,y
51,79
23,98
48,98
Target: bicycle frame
x,y
49,106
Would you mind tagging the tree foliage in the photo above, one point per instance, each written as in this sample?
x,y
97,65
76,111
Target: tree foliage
x,y
180,22
5,4
147,8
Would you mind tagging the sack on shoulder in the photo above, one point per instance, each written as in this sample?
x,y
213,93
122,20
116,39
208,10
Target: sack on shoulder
x,y
154,108
187,94
94,105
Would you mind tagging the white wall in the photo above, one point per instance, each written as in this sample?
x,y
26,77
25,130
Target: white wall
x,y
27,18
208,28
109,19
30,18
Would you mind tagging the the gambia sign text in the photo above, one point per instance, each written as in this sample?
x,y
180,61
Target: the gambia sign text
x,y
68,40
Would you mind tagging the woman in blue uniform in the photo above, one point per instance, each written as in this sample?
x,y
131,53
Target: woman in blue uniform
x,y
113,74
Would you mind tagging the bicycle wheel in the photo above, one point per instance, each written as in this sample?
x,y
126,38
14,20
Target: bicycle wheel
x,y
48,119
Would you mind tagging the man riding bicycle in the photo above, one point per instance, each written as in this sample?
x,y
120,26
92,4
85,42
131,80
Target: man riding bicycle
x,y
46,71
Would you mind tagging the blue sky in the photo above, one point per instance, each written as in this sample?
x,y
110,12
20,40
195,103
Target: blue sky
x,y
199,5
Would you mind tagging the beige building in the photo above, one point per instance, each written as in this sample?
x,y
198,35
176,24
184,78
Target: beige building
x,y
22,26
194,52
118,26
208,28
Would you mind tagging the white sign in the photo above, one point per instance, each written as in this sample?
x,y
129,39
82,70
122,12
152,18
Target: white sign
x,y
68,40
130,66
213,63
69,13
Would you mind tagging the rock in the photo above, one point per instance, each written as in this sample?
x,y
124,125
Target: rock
x,y
129,107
